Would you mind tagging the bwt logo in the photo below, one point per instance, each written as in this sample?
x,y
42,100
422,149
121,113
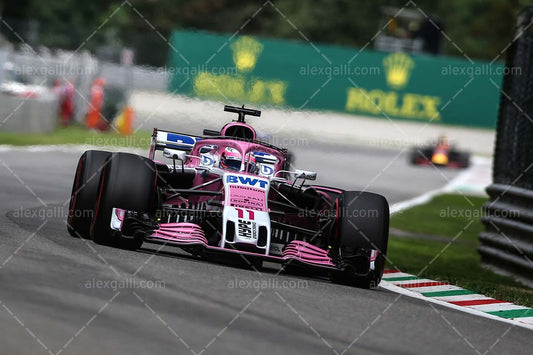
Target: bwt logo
x,y
232,179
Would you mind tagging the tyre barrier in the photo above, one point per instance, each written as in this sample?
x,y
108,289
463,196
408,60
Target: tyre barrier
x,y
507,242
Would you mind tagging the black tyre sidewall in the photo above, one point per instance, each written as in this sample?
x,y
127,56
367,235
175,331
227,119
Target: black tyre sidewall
x,y
464,160
85,192
128,182
424,153
364,223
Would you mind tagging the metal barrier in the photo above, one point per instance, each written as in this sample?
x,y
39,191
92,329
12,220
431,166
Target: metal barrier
x,y
40,69
28,115
507,242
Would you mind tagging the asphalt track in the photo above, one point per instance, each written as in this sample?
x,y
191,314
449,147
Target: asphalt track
x,y
59,294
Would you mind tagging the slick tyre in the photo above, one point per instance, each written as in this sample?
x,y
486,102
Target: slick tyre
x,y
85,192
363,225
128,182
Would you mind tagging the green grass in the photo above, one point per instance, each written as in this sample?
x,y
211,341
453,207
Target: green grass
x,y
457,218
78,135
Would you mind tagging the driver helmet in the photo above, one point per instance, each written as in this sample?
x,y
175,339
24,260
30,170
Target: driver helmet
x,y
231,159
442,140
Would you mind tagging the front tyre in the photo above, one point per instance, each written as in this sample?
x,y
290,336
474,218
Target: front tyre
x,y
420,155
463,160
85,192
128,182
362,229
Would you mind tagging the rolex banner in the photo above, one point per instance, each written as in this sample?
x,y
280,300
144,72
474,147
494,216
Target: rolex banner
x,y
257,71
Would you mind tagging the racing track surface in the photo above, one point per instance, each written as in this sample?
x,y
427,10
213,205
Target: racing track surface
x,y
49,305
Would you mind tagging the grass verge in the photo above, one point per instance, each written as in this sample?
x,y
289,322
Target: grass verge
x,y
78,135
452,258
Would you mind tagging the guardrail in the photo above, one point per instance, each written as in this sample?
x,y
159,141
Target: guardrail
x,y
507,242
80,69
28,115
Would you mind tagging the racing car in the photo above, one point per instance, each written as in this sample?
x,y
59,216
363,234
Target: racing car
x,y
441,153
226,194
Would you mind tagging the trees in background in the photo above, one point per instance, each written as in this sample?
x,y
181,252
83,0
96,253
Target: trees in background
x,y
480,28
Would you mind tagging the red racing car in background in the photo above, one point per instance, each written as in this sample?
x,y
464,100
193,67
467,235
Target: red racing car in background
x,y
225,194
441,153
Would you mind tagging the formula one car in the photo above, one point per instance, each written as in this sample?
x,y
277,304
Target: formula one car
x,y
441,153
225,194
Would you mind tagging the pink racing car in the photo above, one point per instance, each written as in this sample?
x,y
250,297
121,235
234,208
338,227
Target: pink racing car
x,y
225,194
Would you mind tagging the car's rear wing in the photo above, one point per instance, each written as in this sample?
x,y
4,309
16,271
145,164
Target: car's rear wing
x,y
167,139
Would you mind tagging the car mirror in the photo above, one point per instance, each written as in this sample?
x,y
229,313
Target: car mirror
x,y
264,158
305,174
207,148
174,154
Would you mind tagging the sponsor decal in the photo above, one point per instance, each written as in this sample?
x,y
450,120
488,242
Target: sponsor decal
x,y
266,170
246,192
243,85
247,181
398,68
178,138
246,229
242,199
246,50
207,160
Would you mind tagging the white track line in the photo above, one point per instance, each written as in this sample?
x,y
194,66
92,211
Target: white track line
x,y
449,187
527,320
68,148
406,282
473,297
433,288
496,307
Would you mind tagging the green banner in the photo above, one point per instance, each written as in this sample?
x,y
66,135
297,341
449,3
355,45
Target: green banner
x,y
301,75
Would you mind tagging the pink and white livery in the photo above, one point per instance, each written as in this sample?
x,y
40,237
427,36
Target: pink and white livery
x,y
226,193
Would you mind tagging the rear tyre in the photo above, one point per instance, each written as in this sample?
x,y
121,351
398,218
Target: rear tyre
x,y
128,182
85,192
418,154
363,226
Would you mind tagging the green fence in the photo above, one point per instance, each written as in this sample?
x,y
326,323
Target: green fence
x,y
243,69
